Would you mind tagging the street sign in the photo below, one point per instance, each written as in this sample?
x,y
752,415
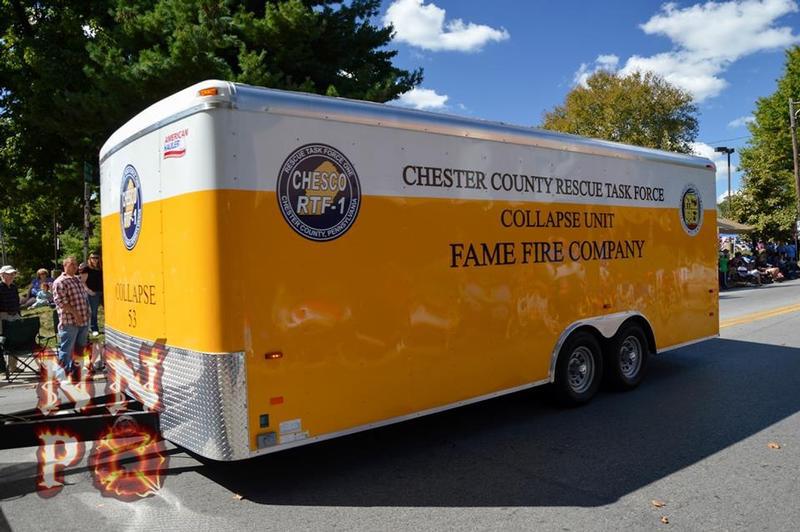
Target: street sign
x,y
88,173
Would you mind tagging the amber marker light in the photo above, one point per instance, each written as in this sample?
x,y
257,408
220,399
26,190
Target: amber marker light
x,y
274,355
210,91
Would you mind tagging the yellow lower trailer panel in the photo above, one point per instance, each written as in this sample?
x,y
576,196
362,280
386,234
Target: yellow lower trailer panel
x,y
325,266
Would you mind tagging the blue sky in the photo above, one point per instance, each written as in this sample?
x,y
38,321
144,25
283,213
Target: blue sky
x,y
513,60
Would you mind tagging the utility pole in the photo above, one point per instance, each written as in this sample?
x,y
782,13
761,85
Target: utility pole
x,y
87,180
2,242
56,231
793,124
725,149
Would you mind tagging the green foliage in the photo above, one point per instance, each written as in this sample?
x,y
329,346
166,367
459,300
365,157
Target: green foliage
x,y
640,109
72,72
72,238
767,199
724,209
72,243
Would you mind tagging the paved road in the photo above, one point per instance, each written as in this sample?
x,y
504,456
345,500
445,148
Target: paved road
x,y
695,435
739,302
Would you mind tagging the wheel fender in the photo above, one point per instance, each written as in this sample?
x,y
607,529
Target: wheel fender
x,y
607,326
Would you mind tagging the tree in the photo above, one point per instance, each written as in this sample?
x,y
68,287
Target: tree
x,y
640,109
767,199
72,72
41,142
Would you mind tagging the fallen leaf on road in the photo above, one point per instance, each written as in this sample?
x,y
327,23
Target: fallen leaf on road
x,y
237,496
665,519
657,503
773,445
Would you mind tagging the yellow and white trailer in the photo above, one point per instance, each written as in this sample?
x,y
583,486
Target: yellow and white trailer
x,y
318,266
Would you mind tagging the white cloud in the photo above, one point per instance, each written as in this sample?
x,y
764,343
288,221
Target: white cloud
x,y
422,99
720,160
708,38
423,25
741,121
726,30
722,197
698,77
603,62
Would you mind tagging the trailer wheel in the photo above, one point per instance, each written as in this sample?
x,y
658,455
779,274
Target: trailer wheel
x,y
579,369
626,360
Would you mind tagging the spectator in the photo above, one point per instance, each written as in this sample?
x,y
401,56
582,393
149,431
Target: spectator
x,y
44,297
9,295
744,270
723,269
94,287
36,285
9,303
71,301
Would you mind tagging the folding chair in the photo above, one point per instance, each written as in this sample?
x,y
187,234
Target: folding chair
x,y
20,340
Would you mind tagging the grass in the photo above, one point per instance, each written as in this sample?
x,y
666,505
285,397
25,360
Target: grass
x,y
46,328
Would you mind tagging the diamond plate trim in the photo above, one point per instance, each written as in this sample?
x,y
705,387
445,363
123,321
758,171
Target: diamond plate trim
x,y
204,397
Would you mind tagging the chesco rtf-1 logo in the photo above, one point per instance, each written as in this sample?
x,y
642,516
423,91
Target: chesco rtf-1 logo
x,y
130,206
691,209
318,192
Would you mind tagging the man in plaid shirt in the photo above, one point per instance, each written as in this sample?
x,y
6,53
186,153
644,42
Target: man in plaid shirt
x,y
72,304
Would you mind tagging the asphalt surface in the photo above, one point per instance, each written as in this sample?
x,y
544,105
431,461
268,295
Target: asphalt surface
x,y
695,436
738,302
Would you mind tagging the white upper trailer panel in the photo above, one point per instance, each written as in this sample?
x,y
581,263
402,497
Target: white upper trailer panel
x,y
248,98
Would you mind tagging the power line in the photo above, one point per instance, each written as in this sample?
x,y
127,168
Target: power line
x,y
724,140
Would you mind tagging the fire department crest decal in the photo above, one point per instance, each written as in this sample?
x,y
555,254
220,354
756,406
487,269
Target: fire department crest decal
x,y
318,192
130,207
691,210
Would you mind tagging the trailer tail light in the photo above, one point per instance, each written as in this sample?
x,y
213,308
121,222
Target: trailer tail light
x,y
274,355
210,91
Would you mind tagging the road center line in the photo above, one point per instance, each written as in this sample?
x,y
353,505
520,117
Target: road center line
x,y
755,316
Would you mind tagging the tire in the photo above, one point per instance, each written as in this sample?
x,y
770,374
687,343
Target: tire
x,y
626,358
579,369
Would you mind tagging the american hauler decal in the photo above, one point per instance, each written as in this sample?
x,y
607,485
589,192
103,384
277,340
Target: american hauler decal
x,y
318,192
691,209
175,144
130,206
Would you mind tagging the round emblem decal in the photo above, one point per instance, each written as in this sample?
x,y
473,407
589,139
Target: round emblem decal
x,y
130,206
691,210
318,192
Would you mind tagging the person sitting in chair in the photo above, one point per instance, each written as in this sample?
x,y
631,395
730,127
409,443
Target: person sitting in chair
x,y
44,297
42,277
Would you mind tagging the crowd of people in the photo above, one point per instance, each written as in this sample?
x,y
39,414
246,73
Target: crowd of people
x,y
765,263
76,295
